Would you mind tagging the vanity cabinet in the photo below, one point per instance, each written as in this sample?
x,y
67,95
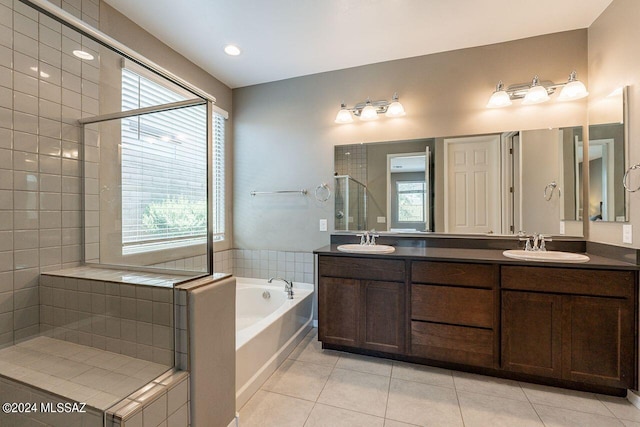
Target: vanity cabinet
x,y
570,324
453,308
361,303
573,327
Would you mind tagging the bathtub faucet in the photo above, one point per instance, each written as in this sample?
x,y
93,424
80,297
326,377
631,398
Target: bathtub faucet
x,y
288,286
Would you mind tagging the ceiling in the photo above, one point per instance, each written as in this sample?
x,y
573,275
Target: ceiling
x,y
281,39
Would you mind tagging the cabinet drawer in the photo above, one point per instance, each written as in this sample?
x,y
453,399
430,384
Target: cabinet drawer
x,y
455,305
362,268
458,344
569,281
449,273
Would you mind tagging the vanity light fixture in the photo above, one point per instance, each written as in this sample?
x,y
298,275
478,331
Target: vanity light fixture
x,y
536,92
370,110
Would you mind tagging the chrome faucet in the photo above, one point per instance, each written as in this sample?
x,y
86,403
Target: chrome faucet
x,y
534,242
288,286
368,238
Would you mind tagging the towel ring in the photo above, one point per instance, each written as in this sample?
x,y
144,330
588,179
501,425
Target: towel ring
x,y
626,174
552,185
323,192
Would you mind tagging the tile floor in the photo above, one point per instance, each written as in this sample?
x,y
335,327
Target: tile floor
x,y
316,387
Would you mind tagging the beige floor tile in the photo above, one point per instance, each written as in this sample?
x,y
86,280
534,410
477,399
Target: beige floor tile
x,y
329,416
628,423
370,365
423,404
310,350
621,408
298,379
422,374
558,417
481,410
563,398
357,391
488,385
267,409
393,423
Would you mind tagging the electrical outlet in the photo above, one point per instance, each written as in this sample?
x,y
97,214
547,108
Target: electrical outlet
x,y
381,219
627,233
561,227
323,225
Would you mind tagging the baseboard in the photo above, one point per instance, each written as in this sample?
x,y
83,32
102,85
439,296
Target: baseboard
x,y
633,398
235,422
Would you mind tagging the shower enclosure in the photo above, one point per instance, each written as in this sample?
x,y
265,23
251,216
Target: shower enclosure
x,y
351,204
125,196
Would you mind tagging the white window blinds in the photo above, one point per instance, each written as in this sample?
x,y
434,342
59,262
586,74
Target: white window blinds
x,y
218,176
164,169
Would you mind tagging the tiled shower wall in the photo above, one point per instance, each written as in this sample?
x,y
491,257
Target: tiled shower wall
x,y
43,91
134,320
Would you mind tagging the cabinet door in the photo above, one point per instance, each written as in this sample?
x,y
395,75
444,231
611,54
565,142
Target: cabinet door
x,y
338,311
383,321
532,333
598,341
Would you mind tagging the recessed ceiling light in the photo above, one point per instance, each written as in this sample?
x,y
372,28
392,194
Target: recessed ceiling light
x,y
83,55
232,50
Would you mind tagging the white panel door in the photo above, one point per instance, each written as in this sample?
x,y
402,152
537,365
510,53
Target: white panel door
x,y
472,184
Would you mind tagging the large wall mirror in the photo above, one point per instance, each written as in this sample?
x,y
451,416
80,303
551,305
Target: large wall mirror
x,y
607,157
500,183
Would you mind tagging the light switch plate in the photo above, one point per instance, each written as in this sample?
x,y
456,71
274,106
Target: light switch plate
x,y
323,225
627,233
381,219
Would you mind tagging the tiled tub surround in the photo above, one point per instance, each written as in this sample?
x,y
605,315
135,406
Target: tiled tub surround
x,y
134,320
263,264
44,90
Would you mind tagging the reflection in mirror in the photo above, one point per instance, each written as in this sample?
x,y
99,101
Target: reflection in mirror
x,y
607,163
483,184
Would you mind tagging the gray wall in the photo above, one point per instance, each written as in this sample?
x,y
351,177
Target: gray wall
x,y
284,131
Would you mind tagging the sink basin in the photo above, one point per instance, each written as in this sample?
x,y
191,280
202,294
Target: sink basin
x,y
367,249
555,256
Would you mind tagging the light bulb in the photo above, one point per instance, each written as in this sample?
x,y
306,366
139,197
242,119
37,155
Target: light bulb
x,y
574,89
395,109
500,98
369,112
344,115
536,94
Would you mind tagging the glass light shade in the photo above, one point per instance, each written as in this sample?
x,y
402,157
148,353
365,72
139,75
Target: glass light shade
x,y
535,95
344,116
395,109
499,99
369,112
573,90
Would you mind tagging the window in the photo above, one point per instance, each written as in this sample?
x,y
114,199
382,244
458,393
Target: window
x,y
164,169
411,198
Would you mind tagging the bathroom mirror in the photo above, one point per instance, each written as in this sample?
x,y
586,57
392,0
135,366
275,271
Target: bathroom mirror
x,y
499,183
607,158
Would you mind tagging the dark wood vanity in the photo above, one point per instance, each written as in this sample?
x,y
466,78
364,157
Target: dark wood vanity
x,y
571,325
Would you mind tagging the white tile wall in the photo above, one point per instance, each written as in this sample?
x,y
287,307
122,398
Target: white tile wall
x,y
39,166
263,264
